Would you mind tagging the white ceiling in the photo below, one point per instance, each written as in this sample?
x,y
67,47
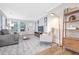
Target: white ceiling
x,y
27,11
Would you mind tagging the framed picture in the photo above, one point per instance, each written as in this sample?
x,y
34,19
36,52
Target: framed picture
x,y
38,22
45,21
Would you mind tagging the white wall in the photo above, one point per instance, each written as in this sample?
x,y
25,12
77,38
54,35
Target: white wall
x,y
1,13
41,23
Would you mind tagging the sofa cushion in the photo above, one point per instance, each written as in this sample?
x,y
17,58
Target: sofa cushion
x,y
4,31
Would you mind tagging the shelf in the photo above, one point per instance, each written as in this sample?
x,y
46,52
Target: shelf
x,y
71,21
71,44
72,30
71,38
75,11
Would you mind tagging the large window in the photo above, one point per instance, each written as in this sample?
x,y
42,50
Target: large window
x,y
22,26
15,28
3,22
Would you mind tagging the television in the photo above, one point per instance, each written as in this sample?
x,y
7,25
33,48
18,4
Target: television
x,y
40,29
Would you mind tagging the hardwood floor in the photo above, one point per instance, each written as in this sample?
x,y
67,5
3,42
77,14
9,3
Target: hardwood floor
x,y
25,47
56,51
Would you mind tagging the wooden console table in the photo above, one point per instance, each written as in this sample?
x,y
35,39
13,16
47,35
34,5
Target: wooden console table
x,y
37,34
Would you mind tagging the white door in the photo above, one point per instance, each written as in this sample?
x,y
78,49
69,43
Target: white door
x,y
53,22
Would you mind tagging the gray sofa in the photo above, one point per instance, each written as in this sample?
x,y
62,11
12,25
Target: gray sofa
x,y
8,39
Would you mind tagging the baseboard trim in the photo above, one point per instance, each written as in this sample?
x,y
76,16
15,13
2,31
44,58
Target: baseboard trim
x,y
57,44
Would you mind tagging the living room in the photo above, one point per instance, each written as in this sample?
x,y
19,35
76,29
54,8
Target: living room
x,y
36,28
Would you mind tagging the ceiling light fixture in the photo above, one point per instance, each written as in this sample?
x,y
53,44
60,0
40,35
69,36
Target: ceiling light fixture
x,y
52,14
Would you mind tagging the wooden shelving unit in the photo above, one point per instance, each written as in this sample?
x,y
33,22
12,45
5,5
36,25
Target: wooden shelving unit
x,y
71,12
71,43
71,21
72,30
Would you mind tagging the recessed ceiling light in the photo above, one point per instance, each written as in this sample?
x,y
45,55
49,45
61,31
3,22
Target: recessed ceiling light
x,y
52,14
